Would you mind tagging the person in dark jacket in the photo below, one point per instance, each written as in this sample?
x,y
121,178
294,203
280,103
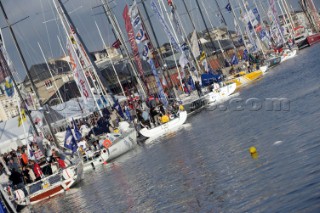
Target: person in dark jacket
x,y
16,177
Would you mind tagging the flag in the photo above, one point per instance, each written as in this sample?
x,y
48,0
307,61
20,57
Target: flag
x,y
136,22
228,8
8,87
77,62
183,61
104,101
77,133
205,65
22,118
141,35
256,14
132,40
30,153
133,10
245,55
234,60
69,141
146,53
165,26
195,44
116,44
203,55
117,107
162,95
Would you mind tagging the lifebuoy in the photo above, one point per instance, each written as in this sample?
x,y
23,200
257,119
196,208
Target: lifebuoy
x,y
107,143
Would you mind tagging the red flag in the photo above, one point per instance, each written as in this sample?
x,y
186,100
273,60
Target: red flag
x,y
116,44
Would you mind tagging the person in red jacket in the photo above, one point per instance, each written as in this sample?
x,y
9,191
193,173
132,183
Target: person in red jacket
x,y
37,171
61,163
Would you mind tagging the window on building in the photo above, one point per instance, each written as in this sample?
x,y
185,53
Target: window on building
x,y
48,84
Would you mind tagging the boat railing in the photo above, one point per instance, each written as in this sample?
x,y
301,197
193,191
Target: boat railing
x,y
44,183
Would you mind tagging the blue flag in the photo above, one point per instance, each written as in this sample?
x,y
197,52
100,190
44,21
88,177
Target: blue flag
x,y
77,133
228,7
234,60
245,55
117,107
256,14
105,102
69,141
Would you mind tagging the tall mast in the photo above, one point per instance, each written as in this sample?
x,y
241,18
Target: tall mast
x,y
64,17
246,9
24,63
64,21
207,29
237,23
191,20
225,23
52,77
183,36
157,43
119,33
219,43
111,61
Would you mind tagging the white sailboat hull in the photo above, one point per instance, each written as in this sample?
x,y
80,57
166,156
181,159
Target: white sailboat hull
x,y
264,68
289,55
123,144
165,128
221,93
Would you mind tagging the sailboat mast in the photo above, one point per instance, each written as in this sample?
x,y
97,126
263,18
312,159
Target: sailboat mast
x,y
207,29
219,43
64,17
52,77
157,43
24,63
119,33
225,23
191,20
246,9
237,23
111,61
64,24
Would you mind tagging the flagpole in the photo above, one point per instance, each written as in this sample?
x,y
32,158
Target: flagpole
x,y
185,6
65,54
237,23
60,14
225,23
119,33
24,63
53,79
246,9
286,8
158,45
189,44
278,26
183,37
207,29
111,61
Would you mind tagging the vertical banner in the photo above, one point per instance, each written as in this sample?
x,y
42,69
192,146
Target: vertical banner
x,y
165,26
78,74
5,71
156,76
132,40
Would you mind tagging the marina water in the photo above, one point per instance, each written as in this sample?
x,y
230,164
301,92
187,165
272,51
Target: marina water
x,y
206,166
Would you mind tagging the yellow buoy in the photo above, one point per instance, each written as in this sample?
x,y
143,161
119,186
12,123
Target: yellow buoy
x,y
252,150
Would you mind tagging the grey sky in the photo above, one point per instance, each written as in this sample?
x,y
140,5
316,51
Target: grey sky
x,y
33,30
